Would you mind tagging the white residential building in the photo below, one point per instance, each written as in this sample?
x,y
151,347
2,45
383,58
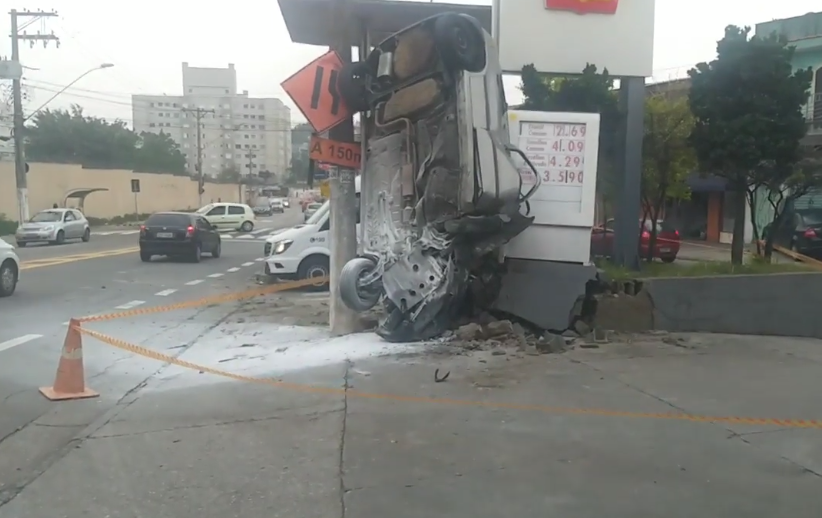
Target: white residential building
x,y
236,131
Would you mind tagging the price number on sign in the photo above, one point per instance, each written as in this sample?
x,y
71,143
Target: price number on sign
x,y
563,176
565,161
569,130
568,146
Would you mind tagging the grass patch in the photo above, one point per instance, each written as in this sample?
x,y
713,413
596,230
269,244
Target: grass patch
x,y
756,266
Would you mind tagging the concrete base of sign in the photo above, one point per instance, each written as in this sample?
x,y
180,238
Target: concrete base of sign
x,y
543,292
313,22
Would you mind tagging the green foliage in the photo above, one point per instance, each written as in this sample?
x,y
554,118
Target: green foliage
x,y
70,137
667,156
7,226
747,105
301,135
229,175
589,92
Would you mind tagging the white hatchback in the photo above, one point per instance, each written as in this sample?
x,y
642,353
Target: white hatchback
x,y
229,216
9,269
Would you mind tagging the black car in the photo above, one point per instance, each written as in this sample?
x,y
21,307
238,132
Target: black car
x,y
178,234
801,231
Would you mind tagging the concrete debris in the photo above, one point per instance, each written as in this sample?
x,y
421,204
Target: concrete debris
x,y
501,336
582,328
550,343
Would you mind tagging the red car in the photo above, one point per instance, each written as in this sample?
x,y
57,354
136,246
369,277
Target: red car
x,y
666,247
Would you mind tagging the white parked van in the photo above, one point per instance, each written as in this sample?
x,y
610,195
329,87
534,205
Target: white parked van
x,y
302,252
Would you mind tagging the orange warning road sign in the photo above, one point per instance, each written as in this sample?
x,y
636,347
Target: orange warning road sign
x,y
343,154
314,90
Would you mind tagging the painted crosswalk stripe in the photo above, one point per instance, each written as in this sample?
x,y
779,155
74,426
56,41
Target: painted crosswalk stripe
x,y
130,232
215,275
194,283
260,230
248,264
165,293
226,236
104,233
260,259
20,340
130,305
232,270
246,236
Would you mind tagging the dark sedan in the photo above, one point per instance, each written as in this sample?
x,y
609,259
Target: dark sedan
x,y
178,234
801,231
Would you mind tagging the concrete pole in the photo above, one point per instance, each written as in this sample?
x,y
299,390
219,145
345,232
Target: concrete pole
x,y
343,233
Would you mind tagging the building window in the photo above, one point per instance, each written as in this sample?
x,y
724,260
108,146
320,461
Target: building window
x,y
245,106
150,124
262,126
238,146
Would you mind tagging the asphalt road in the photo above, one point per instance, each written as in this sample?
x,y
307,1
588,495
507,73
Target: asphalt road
x,y
101,276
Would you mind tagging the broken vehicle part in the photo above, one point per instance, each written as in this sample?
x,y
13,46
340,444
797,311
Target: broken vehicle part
x,y
441,194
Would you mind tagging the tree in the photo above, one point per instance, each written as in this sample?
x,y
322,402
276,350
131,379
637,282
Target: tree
x,y
667,157
783,185
70,137
589,92
747,108
300,135
229,175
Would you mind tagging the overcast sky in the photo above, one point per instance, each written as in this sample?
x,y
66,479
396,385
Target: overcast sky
x,y
148,40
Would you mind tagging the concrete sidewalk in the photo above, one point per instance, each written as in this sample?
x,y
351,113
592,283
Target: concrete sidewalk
x,y
192,445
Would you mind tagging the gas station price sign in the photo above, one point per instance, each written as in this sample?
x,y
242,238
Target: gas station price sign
x,y
557,152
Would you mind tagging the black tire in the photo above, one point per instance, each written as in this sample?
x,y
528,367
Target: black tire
x,y
21,244
668,259
61,238
315,266
8,278
86,235
350,292
247,226
460,42
197,253
218,250
351,85
145,256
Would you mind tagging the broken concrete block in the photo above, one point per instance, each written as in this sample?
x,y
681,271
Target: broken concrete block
x,y
470,331
550,343
499,328
600,336
582,328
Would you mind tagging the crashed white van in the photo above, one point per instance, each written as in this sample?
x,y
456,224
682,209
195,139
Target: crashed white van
x,y
440,191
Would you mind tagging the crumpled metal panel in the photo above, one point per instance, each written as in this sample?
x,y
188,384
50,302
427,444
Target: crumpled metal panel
x,y
381,195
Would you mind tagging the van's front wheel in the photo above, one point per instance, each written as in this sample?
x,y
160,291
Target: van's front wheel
x,y
351,293
315,266
460,42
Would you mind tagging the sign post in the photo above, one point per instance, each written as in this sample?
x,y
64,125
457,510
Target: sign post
x,y
314,90
135,188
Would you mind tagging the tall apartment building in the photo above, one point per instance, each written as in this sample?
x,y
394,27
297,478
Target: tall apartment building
x,y
236,132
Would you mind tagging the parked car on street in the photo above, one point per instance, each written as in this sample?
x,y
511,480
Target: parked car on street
x,y
262,207
9,269
53,226
277,206
800,231
665,249
310,209
229,216
178,234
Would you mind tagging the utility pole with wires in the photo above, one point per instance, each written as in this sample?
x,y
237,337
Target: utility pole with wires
x,y
251,156
199,114
19,120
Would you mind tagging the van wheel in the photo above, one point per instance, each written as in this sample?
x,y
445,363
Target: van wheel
x,y
351,85
247,226
8,278
460,42
315,266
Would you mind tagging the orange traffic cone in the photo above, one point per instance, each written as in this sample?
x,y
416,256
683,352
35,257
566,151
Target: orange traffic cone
x,y
70,382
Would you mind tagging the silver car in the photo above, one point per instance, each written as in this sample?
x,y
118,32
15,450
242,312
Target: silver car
x,y
53,226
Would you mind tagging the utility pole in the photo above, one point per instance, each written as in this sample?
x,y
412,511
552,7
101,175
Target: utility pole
x,y
19,120
343,231
199,114
250,167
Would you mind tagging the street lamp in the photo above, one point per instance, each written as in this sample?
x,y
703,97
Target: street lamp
x,y
81,76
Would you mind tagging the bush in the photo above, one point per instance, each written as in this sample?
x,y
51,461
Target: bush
x,y
7,226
